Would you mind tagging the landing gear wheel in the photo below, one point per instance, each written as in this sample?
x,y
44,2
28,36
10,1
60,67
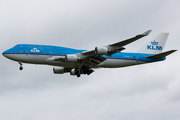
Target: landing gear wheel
x,y
21,68
78,75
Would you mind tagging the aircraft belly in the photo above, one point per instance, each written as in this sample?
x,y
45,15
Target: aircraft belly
x,y
40,59
65,64
115,63
26,58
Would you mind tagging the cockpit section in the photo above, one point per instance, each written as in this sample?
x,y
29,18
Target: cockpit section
x,y
16,46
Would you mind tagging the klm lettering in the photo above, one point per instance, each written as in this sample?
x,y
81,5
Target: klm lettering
x,y
152,47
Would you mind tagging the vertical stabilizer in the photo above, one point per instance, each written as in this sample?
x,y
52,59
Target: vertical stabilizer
x,y
156,45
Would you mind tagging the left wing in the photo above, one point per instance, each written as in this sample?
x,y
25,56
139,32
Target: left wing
x,y
116,47
93,56
130,40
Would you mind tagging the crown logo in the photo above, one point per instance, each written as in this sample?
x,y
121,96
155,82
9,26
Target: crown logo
x,y
154,43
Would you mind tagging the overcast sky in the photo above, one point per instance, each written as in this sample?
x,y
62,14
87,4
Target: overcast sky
x,y
144,92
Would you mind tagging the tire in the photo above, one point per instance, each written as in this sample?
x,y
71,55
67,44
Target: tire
x,y
21,68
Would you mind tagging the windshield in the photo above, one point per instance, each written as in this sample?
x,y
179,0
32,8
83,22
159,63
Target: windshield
x,y
16,46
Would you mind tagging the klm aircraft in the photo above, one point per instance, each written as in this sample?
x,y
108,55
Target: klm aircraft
x,y
77,62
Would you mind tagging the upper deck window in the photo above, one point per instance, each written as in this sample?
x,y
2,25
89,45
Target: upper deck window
x,y
32,46
16,46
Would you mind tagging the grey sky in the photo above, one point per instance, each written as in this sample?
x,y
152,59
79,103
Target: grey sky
x,y
150,92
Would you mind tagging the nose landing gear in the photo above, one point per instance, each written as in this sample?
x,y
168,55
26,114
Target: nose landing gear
x,y
20,68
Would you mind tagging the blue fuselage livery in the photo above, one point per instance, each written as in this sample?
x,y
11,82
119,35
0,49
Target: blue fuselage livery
x,y
78,62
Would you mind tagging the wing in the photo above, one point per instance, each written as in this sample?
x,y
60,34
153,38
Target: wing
x,y
93,57
130,40
93,60
119,45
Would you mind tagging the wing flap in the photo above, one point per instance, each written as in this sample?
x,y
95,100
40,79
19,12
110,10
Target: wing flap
x,y
94,61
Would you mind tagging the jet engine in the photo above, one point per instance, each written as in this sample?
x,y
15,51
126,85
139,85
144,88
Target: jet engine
x,y
73,72
72,58
59,70
103,51
76,72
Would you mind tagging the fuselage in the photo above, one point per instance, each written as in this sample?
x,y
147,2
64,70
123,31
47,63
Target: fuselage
x,y
41,54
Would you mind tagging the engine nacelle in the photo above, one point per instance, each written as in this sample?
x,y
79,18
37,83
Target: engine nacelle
x,y
71,58
73,72
58,70
101,50
104,50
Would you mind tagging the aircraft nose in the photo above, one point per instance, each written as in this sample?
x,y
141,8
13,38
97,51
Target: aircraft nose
x,y
4,53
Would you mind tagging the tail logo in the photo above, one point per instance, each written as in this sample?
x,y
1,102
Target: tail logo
x,y
154,46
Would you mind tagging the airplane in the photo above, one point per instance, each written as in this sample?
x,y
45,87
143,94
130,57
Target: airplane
x,y
77,62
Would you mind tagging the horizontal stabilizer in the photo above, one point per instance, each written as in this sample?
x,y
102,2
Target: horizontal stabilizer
x,y
161,55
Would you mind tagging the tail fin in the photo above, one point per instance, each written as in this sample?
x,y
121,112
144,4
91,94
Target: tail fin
x,y
156,45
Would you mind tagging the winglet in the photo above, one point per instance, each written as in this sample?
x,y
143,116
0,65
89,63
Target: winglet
x,y
147,32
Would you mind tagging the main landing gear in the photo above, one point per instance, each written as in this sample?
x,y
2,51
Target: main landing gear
x,y
84,70
78,73
20,68
87,70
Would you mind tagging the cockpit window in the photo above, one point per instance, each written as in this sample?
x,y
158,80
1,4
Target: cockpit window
x,y
16,46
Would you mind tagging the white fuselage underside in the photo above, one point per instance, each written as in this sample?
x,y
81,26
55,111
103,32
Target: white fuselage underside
x,y
43,59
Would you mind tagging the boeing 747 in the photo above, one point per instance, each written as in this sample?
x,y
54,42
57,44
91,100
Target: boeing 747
x,y
77,62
